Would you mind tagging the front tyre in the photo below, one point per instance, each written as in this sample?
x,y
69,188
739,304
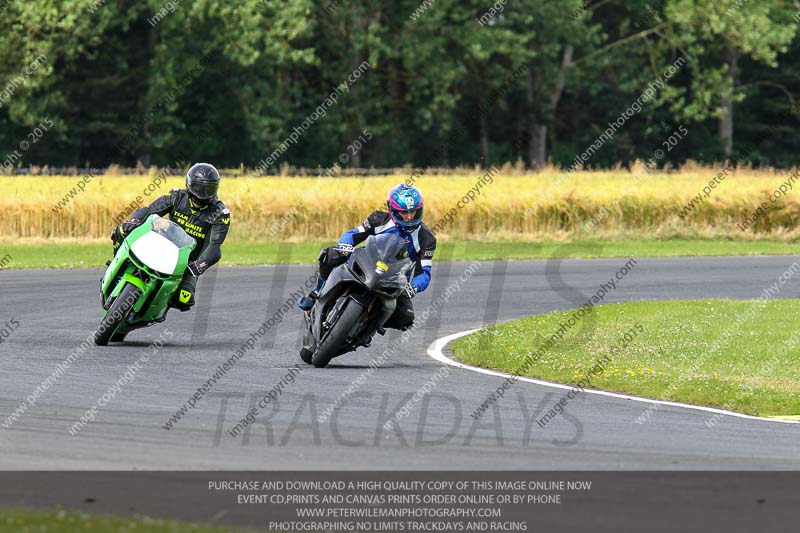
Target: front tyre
x,y
337,336
119,311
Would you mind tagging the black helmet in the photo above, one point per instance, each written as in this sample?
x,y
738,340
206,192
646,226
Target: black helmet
x,y
202,182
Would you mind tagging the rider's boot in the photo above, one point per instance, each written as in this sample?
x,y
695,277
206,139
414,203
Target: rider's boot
x,y
307,302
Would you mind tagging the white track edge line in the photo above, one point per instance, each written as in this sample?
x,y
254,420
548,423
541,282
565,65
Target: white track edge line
x,y
435,350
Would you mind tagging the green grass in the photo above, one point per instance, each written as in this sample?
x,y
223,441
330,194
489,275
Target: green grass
x,y
19,521
94,254
738,355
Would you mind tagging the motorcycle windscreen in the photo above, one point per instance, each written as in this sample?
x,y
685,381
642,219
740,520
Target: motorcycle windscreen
x,y
389,249
160,248
172,232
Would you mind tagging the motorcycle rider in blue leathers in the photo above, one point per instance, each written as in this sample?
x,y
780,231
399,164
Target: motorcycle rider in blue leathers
x,y
403,218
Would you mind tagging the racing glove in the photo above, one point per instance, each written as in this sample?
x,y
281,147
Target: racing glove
x,y
197,267
121,231
410,291
344,248
130,225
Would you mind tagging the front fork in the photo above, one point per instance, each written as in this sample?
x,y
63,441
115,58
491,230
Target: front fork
x,y
317,325
127,277
333,315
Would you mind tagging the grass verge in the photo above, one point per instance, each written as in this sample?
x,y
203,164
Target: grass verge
x,y
65,254
736,355
23,521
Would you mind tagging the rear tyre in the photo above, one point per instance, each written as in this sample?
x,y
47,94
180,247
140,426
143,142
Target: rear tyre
x,y
336,337
119,311
308,340
305,355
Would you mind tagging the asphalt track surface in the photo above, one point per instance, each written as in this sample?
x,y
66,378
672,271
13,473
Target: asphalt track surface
x,y
57,309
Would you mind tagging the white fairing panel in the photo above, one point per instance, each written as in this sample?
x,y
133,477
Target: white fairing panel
x,y
157,252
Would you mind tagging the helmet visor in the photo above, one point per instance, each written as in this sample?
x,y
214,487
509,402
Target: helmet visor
x,y
404,219
204,190
408,215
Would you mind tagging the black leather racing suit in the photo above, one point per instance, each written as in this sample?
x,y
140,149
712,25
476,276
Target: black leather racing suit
x,y
208,225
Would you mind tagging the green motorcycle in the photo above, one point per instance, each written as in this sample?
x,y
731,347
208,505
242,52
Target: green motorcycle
x,y
142,278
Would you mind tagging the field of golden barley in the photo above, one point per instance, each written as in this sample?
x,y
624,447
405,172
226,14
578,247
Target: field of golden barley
x,y
511,204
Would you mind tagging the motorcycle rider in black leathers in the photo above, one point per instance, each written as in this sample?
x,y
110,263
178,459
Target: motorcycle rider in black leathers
x,y
202,216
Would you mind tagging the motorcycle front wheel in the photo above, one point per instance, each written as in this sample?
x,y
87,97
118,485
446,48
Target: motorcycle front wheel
x,y
117,314
337,335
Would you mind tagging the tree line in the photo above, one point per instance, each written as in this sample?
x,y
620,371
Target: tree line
x,y
448,83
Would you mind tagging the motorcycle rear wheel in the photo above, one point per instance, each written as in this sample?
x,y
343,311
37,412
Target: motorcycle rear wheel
x,y
305,355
